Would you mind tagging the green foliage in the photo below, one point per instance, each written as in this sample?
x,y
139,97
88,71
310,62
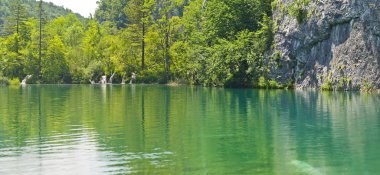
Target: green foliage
x,y
327,86
273,84
54,65
15,22
214,43
11,58
151,76
28,9
213,53
289,84
298,9
368,87
343,83
262,82
112,11
14,82
4,81
235,13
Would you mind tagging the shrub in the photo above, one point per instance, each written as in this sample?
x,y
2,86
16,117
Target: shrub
x,y
327,86
273,84
367,87
262,82
151,76
289,84
298,10
4,81
14,81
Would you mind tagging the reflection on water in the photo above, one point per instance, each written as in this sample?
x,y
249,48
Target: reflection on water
x,y
146,129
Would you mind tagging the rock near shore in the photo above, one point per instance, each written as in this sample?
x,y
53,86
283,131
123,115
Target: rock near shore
x,y
328,43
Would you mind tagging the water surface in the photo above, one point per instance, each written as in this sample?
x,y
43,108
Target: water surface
x,y
151,129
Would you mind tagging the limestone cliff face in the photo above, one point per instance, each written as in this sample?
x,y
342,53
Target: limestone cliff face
x,y
337,44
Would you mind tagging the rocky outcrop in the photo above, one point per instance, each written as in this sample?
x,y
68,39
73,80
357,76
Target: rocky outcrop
x,y
336,45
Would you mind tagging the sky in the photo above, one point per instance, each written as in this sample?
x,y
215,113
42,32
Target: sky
x,y
83,7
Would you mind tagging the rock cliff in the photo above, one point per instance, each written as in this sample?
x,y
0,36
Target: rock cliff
x,y
327,43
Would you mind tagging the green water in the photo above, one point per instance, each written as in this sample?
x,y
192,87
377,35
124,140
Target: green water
x,y
148,129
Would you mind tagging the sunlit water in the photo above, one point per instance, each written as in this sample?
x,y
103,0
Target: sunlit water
x,y
149,129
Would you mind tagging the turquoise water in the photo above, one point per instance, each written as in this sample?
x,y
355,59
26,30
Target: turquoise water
x,y
151,129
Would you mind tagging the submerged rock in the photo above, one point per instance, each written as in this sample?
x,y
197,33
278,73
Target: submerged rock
x,y
334,44
305,168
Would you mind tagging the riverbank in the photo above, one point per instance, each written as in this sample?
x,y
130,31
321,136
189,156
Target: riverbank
x,y
261,84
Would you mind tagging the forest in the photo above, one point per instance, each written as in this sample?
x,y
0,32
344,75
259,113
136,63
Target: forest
x,y
203,42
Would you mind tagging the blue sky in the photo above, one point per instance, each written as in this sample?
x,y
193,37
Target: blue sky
x,y
83,7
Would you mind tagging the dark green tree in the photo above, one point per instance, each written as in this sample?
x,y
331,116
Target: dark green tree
x,y
16,24
112,11
139,15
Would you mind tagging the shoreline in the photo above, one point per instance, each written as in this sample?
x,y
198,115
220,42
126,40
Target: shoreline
x,y
175,84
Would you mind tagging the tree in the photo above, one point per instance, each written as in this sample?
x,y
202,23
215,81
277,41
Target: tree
x,y
54,66
139,13
16,21
210,42
16,24
90,61
223,42
11,59
18,30
112,11
167,24
226,18
40,10
188,52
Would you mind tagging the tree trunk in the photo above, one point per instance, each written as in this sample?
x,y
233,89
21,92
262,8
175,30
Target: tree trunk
x,y
143,46
17,26
40,42
17,17
167,59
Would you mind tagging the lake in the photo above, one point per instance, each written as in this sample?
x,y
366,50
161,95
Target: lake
x,y
154,129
